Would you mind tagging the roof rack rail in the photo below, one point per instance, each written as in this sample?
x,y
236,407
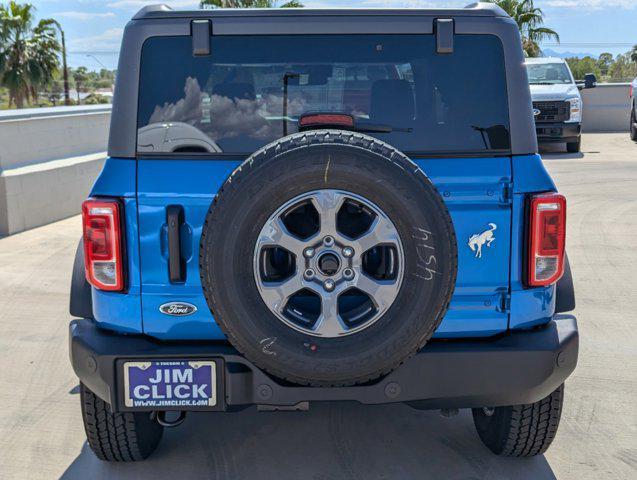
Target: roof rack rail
x,y
497,10
478,9
150,9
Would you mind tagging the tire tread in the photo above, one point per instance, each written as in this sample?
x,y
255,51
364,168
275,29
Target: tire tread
x,y
115,437
524,430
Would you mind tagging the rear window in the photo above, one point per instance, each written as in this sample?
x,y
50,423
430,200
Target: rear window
x,y
252,90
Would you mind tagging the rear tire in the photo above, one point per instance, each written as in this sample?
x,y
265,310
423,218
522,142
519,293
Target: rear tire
x,y
574,147
633,125
520,430
117,437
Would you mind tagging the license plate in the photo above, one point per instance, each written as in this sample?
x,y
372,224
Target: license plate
x,y
170,383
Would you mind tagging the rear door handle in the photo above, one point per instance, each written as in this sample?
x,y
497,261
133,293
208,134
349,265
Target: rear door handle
x,y
176,264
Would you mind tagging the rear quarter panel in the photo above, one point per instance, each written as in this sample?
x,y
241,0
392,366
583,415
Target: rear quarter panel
x,y
115,310
528,306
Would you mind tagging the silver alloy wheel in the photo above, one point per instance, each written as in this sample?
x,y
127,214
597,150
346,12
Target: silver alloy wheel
x,y
332,283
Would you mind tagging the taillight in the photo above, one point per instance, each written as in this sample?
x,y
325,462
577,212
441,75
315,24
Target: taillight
x,y
103,244
547,235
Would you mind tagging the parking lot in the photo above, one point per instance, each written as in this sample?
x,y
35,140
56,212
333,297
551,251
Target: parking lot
x,y
41,434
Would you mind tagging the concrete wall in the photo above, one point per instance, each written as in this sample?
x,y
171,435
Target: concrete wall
x,y
606,108
49,159
38,135
39,194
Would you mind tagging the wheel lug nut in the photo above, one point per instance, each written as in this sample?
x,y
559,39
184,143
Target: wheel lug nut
x,y
329,285
348,274
348,252
308,252
328,241
308,274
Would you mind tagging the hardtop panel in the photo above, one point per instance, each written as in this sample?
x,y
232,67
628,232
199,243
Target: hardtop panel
x,y
123,132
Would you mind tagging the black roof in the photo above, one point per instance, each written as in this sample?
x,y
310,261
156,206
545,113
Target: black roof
x,y
479,9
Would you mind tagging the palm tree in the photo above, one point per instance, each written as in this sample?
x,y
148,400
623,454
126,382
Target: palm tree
x,y
633,54
530,22
45,56
80,75
28,54
249,4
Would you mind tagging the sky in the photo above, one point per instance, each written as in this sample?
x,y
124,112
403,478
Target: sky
x,y
94,27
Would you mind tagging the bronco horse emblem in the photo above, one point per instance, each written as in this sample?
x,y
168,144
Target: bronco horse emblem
x,y
477,240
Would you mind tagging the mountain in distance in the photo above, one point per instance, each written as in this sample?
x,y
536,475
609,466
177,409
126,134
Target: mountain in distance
x,y
548,52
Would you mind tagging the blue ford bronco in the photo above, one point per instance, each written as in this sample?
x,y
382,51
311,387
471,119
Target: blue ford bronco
x,y
322,205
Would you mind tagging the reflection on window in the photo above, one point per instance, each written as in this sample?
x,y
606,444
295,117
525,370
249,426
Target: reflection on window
x,y
253,90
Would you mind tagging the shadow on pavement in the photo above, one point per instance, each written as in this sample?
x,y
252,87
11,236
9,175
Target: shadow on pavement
x,y
331,441
561,156
557,151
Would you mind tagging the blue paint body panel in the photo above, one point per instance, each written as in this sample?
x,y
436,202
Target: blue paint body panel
x,y
472,188
118,178
474,192
530,175
157,182
489,297
532,307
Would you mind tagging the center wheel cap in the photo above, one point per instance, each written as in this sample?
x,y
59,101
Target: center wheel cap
x,y
328,264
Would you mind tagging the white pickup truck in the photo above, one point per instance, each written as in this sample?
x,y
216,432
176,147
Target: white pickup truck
x,y
557,104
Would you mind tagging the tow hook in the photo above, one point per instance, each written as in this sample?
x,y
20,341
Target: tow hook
x,y
160,417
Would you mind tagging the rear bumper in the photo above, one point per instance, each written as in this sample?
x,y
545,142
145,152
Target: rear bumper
x,y
558,132
519,367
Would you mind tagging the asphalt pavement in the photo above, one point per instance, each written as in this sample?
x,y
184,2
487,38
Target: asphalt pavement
x,y
41,433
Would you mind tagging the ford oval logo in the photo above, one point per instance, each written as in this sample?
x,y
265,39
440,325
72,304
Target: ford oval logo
x,y
536,112
178,309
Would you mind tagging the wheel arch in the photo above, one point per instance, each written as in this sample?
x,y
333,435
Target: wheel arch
x,y
81,301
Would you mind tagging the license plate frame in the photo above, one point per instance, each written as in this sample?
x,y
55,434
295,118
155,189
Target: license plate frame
x,y
135,372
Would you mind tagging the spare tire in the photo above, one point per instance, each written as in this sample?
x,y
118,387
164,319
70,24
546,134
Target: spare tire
x,y
328,258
